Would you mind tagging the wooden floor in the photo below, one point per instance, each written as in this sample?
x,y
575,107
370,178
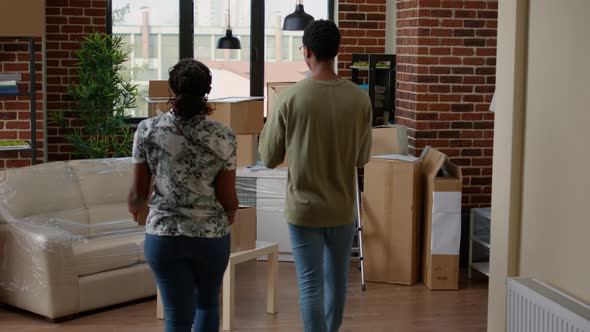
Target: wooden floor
x,y
380,308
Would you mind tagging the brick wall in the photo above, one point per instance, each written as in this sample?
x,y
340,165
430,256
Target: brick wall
x,y
362,25
446,57
68,21
15,113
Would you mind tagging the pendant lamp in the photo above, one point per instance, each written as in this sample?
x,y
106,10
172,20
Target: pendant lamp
x,y
297,20
229,41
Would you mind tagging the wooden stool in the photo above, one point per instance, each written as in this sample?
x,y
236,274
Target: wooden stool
x,y
271,250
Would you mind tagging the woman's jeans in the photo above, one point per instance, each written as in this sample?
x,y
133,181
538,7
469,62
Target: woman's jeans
x,y
189,272
322,260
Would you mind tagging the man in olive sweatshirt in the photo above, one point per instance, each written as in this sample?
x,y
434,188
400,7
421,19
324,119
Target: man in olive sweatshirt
x,y
323,125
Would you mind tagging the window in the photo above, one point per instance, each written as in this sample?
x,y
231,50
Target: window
x,y
154,31
230,68
150,29
284,62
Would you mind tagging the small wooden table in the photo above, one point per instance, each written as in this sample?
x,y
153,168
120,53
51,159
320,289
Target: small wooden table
x,y
271,250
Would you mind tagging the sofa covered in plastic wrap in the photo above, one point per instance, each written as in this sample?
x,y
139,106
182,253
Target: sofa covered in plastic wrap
x,y
67,242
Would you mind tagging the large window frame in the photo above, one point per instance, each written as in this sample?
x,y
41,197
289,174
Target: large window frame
x,y
257,47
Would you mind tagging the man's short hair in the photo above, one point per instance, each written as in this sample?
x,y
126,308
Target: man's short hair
x,y
322,37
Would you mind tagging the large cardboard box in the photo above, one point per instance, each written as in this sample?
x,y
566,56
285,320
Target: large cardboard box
x,y
245,116
23,18
390,139
243,230
442,220
391,219
247,150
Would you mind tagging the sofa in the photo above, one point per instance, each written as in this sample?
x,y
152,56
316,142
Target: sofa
x,y
67,242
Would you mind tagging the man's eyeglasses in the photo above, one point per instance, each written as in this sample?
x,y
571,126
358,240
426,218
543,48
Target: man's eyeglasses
x,y
301,49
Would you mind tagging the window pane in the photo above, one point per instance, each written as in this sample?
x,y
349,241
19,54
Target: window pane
x,y
150,30
283,60
230,68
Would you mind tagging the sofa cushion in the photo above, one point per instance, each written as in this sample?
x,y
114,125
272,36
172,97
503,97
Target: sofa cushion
x,y
38,189
103,181
111,218
105,253
73,221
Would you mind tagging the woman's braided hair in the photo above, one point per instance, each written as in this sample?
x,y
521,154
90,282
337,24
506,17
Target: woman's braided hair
x,y
190,80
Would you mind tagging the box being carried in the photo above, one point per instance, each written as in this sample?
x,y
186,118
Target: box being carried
x,y
243,230
442,220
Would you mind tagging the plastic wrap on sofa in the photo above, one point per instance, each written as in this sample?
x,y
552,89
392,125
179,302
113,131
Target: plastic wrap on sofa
x,y
60,222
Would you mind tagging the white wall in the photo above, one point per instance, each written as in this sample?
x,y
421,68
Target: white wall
x,y
556,182
390,27
543,232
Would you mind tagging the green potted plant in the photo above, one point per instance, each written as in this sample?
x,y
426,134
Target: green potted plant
x,y
101,96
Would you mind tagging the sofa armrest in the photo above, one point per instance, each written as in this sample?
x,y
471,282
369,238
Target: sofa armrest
x,y
37,271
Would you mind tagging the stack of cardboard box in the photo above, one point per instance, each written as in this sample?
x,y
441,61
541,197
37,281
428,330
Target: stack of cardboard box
x,y
411,214
245,116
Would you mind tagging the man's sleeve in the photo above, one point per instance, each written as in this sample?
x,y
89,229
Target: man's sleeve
x,y
272,138
365,150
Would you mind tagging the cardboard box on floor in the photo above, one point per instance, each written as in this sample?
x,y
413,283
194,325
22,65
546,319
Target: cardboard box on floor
x,y
391,219
243,230
244,115
442,220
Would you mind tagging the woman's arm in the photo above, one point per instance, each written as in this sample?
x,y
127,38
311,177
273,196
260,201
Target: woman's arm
x,y
138,195
225,192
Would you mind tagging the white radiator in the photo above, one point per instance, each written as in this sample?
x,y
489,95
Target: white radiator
x,y
533,306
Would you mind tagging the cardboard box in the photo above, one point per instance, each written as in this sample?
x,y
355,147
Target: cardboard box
x,y
23,18
391,139
158,96
442,216
245,116
273,89
247,150
391,219
243,230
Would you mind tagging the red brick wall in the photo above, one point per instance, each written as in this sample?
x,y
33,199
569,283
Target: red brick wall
x,y
446,57
362,25
68,21
15,113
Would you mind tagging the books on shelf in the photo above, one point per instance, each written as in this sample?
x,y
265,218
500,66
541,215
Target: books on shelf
x,y
10,77
8,88
14,145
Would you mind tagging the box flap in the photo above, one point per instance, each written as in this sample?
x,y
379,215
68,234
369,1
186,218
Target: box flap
x,y
397,157
432,161
232,100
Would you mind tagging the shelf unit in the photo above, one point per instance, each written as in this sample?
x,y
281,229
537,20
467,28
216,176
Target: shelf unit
x,y
378,77
32,94
479,235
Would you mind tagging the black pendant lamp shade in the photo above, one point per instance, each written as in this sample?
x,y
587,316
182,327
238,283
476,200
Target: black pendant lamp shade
x,y
229,41
298,20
